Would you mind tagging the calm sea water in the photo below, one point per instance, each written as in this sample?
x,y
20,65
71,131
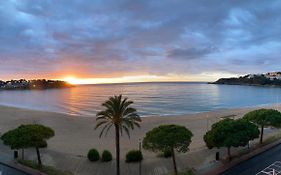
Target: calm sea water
x,y
150,98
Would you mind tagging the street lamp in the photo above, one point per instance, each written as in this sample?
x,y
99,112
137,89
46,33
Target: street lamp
x,y
141,153
207,127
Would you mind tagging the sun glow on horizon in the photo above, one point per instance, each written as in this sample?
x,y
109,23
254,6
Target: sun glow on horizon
x,y
207,76
125,79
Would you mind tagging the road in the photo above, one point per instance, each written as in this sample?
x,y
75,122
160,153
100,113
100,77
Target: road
x,y
4,170
257,163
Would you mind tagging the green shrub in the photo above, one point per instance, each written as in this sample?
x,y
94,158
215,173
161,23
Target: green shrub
x,y
106,156
93,155
167,153
134,156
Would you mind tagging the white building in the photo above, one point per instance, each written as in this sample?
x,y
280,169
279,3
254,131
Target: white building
x,y
273,75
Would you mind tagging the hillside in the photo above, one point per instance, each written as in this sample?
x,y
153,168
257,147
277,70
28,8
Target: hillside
x,y
23,84
262,79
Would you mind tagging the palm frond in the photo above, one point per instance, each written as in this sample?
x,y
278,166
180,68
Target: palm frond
x,y
100,123
103,129
129,110
128,123
137,124
105,113
118,112
126,130
108,128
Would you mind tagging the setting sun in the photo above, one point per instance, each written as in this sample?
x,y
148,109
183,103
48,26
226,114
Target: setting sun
x,y
71,80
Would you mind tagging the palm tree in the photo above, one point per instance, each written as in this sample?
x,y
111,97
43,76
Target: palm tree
x,y
119,114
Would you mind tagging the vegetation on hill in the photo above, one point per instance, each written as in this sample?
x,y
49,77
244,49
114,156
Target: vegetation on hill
x,y
250,80
23,84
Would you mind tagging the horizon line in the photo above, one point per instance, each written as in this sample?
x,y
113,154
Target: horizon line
x,y
145,82
133,82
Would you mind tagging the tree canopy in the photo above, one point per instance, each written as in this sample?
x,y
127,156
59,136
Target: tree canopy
x,y
231,133
28,136
36,135
264,118
118,112
168,137
15,139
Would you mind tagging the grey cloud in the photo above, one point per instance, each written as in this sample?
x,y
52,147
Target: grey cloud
x,y
106,36
191,53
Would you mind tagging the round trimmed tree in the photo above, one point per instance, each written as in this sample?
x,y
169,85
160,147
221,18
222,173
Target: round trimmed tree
x,y
106,156
264,118
15,139
93,155
28,136
168,137
231,133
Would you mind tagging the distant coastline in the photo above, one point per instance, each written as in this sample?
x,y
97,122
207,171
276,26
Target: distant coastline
x,y
39,84
272,79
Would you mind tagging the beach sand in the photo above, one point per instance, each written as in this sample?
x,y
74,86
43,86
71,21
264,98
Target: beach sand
x,y
75,135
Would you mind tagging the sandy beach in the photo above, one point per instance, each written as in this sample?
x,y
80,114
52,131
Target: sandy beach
x,y
75,135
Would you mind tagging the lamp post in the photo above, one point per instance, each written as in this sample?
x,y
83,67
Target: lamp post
x,y
140,152
207,127
277,102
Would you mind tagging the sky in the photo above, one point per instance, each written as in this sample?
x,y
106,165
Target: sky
x,y
126,40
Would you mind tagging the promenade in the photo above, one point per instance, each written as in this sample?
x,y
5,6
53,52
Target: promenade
x,y
81,166
201,160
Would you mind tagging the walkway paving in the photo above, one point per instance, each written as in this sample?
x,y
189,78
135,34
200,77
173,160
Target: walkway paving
x,y
5,159
6,170
200,160
81,166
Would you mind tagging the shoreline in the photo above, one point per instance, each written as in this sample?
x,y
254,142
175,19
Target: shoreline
x,y
241,84
146,116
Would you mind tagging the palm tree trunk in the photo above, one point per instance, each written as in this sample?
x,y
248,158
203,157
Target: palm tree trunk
x,y
38,157
261,136
228,154
174,162
117,141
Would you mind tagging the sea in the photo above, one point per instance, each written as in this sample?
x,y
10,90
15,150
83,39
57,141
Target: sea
x,y
150,99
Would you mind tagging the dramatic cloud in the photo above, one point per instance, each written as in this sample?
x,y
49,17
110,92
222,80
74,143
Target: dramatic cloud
x,y
190,53
94,38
